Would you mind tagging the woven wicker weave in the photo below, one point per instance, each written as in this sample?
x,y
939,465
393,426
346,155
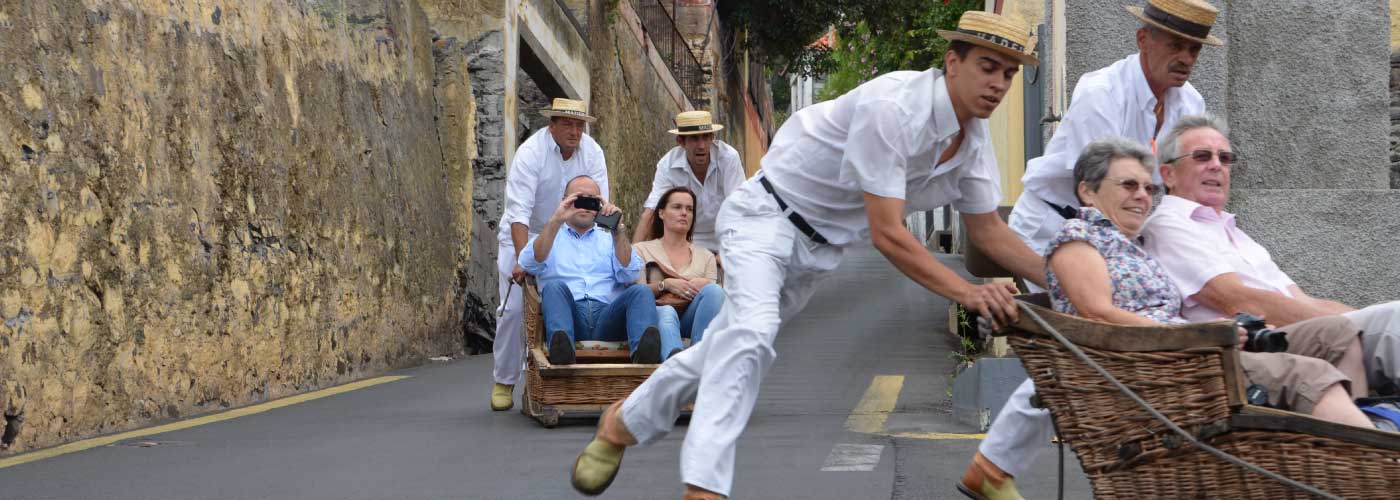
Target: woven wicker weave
x,y
587,384
1127,454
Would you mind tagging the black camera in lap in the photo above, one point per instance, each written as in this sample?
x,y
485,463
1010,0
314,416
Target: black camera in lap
x,y
1260,338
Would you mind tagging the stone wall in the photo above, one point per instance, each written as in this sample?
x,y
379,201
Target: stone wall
x,y
633,107
214,203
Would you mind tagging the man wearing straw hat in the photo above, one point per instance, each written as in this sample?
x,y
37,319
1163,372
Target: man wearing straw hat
x,y
1139,97
708,166
542,166
839,173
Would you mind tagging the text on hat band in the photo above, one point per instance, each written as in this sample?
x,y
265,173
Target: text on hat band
x,y
995,39
1187,28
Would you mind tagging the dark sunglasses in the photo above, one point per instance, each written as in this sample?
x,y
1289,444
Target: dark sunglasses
x,y
1204,155
1132,185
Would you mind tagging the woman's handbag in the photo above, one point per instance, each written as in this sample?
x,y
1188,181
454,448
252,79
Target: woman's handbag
x,y
654,275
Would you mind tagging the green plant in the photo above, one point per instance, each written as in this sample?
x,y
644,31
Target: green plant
x,y
864,50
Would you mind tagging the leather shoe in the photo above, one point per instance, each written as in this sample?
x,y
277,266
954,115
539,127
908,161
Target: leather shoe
x,y
561,350
501,397
648,347
985,481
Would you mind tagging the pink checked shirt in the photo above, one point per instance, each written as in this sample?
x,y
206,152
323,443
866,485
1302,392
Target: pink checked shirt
x,y
1195,244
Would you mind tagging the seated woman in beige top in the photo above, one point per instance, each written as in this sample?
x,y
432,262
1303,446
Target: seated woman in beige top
x,y
683,276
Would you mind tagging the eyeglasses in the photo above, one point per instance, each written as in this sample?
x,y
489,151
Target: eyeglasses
x,y
1132,185
1227,158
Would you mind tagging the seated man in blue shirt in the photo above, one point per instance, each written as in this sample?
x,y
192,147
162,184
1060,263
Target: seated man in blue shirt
x,y
588,281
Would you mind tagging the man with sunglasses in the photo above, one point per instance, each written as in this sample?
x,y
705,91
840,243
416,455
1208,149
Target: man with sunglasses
x,y
1139,97
1220,270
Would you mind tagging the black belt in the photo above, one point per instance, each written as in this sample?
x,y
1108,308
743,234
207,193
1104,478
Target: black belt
x,y
1065,211
793,216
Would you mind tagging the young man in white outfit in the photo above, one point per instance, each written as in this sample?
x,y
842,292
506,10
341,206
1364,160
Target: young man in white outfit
x,y
708,166
839,173
535,184
1140,98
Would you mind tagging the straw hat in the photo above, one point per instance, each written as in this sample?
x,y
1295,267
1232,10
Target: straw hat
x,y
568,108
1189,19
999,33
695,123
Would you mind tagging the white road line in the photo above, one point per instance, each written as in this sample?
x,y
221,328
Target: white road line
x,y
853,457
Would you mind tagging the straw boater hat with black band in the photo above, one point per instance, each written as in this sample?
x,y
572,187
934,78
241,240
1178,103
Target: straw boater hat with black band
x,y
1189,19
695,123
568,108
999,33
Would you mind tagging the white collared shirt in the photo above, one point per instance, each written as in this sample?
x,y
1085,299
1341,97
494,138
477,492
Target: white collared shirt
x,y
883,138
538,175
725,175
1194,243
1113,101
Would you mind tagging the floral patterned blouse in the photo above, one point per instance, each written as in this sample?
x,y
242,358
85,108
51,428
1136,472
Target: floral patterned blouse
x,y
1140,284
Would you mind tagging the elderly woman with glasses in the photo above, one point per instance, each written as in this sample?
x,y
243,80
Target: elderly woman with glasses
x,y
1097,268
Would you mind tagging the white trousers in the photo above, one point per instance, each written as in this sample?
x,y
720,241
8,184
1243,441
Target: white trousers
x,y
1020,431
508,349
770,270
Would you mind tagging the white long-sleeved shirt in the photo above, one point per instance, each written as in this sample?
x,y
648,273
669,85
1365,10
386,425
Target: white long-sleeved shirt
x,y
1113,101
538,174
725,175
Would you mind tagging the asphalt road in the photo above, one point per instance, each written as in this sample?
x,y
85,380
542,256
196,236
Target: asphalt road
x,y
433,436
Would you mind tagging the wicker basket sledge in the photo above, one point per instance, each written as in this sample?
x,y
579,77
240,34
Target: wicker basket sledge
x,y
1191,374
596,381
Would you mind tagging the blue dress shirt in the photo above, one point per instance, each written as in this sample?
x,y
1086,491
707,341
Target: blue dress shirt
x,y
585,262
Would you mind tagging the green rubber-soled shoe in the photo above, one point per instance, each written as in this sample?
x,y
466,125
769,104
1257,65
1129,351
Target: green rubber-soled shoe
x,y
596,467
501,397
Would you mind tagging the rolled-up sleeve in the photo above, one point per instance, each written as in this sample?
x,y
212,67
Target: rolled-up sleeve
x,y
527,259
875,157
628,273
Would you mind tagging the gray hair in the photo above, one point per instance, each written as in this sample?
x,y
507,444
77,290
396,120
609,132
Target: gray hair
x,y
1092,166
1170,146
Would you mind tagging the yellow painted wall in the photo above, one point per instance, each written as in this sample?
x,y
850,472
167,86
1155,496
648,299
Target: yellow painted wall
x,y
1008,139
1008,122
1394,27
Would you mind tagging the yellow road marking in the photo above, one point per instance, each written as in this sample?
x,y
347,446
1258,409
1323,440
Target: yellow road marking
x,y
935,435
87,444
874,408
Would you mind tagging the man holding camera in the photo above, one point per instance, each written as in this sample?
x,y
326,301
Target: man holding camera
x,y
588,273
708,166
534,185
839,173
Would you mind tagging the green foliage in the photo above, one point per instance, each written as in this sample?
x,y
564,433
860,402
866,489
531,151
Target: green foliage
x,y
864,50
781,30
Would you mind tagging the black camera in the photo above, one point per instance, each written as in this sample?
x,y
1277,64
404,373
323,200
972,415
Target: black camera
x,y
589,203
1259,338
